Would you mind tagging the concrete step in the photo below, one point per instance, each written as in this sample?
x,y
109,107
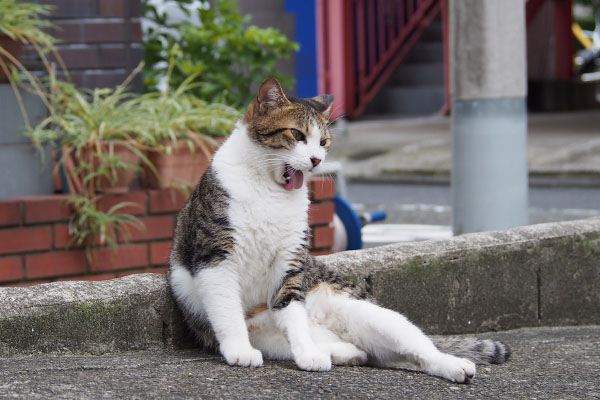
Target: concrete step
x,y
434,32
408,101
426,52
418,74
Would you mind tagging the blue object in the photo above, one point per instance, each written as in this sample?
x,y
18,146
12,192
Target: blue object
x,y
378,216
351,222
306,36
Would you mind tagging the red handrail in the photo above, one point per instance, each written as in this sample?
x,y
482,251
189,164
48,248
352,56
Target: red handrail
x,y
362,42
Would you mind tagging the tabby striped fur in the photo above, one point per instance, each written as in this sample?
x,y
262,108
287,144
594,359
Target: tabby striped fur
x,y
242,275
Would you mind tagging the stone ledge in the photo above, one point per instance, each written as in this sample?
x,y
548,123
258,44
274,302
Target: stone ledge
x,y
545,274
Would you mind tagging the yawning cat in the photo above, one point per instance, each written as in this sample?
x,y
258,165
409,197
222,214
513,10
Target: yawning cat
x,y
245,281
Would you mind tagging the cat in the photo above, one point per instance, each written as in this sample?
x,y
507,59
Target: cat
x,y
241,273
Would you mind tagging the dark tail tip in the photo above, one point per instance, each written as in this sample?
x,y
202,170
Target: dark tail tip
x,y
501,353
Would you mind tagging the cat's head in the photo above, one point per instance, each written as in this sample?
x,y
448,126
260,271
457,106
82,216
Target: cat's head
x,y
293,132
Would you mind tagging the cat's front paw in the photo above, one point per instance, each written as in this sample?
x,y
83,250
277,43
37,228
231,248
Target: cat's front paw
x,y
455,369
242,355
313,361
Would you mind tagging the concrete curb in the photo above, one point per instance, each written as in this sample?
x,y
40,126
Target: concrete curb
x,y
131,313
545,274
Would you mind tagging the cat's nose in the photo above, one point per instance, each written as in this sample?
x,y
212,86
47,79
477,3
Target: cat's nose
x,y
315,161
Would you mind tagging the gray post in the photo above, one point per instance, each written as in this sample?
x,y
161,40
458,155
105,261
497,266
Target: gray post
x,y
489,115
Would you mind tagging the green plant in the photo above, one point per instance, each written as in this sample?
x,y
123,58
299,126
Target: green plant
x,y
81,121
87,126
89,224
175,115
23,21
225,57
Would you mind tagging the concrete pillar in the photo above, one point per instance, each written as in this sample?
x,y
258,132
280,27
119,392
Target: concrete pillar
x,y
489,115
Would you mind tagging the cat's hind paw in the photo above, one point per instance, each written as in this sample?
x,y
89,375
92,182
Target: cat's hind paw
x,y
241,355
313,361
345,353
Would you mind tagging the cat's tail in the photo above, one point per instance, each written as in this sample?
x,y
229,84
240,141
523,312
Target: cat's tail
x,y
480,351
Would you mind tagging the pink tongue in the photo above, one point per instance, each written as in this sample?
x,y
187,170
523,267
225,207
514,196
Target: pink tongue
x,y
295,182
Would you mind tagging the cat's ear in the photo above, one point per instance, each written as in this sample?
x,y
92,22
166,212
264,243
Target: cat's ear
x,y
270,96
326,102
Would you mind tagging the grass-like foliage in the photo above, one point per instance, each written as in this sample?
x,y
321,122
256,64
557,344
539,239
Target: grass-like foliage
x,y
23,21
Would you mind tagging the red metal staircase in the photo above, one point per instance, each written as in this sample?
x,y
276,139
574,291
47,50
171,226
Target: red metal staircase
x,y
362,42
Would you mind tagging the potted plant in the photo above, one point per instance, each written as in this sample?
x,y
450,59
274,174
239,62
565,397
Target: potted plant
x,y
183,131
98,132
100,138
186,131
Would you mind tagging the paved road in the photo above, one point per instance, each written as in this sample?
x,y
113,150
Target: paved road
x,y
547,363
430,204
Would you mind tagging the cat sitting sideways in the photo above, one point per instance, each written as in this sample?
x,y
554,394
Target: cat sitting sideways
x,y
241,273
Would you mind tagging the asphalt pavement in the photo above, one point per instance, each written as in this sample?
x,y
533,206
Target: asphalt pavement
x,y
562,149
547,363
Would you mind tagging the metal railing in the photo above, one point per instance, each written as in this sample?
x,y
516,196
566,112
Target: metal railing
x,y
362,42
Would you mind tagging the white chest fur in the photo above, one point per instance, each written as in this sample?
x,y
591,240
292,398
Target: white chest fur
x,y
269,222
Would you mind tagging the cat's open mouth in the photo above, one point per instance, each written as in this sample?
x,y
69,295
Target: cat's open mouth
x,y
292,178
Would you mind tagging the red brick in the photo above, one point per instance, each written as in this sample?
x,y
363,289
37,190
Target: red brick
x,y
136,8
138,199
71,8
322,237
136,34
50,265
11,269
321,252
105,78
115,56
61,236
80,57
113,8
10,213
123,257
165,200
159,253
155,228
24,239
106,32
322,188
320,213
69,32
46,209
161,270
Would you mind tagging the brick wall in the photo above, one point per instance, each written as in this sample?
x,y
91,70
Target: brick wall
x,y
101,40
34,236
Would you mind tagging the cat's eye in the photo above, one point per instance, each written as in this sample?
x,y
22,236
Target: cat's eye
x,y
323,142
299,136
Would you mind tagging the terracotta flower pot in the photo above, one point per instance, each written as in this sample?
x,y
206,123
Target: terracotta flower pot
x,y
180,168
124,176
14,48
